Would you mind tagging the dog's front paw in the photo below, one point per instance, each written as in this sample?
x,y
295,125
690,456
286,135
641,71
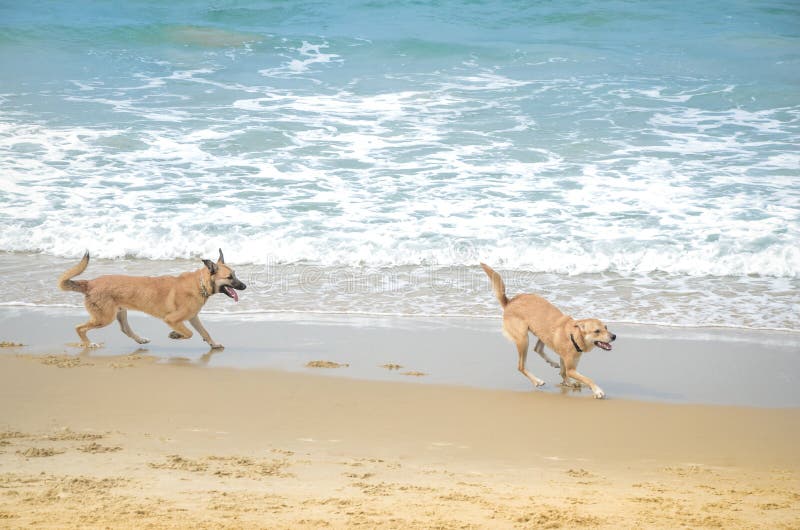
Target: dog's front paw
x,y
538,382
216,346
175,335
598,393
142,340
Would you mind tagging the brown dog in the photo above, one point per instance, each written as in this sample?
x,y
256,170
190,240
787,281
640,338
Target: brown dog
x,y
568,337
173,299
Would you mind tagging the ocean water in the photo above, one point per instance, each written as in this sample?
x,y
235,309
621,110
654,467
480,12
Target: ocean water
x,y
635,161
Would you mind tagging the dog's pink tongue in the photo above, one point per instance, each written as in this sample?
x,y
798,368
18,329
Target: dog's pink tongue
x,y
232,292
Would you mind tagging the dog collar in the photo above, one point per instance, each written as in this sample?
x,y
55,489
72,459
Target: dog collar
x,y
203,290
575,343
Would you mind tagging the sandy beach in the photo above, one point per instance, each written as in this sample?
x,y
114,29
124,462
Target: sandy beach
x,y
352,164
131,439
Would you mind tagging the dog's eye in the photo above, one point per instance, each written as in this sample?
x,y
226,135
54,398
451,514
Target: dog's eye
x,y
597,331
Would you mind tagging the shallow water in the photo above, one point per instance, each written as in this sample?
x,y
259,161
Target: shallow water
x,y
657,298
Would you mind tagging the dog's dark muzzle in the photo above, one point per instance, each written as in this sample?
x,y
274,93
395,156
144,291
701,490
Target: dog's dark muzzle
x,y
230,290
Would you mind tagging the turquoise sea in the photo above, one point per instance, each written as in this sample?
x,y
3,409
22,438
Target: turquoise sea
x,y
637,161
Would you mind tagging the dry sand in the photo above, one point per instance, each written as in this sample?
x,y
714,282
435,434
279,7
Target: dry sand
x,y
100,441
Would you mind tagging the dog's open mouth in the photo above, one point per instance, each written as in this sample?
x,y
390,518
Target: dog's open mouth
x,y
228,290
600,344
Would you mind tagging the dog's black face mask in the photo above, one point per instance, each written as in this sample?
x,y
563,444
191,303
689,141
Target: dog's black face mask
x,y
228,285
223,278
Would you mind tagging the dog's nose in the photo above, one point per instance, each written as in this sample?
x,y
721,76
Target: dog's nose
x,y
613,337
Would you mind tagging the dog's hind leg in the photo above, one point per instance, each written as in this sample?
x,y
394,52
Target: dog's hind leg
x,y
99,317
539,348
522,349
517,331
196,324
122,318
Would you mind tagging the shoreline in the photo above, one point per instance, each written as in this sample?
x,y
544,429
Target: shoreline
x,y
431,290
263,314
648,363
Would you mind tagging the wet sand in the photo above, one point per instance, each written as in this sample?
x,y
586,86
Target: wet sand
x,y
651,363
127,439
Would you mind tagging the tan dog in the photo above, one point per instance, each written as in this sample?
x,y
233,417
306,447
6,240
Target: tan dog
x,y
173,299
568,337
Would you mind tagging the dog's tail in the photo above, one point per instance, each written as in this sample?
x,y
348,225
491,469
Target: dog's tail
x,y
498,286
65,282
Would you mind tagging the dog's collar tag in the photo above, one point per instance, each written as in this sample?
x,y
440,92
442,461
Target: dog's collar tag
x,y
575,343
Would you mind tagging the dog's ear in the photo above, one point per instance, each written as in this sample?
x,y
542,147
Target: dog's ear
x,y
221,257
211,266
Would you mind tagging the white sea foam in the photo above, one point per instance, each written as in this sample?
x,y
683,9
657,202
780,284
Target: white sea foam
x,y
666,300
286,164
309,55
